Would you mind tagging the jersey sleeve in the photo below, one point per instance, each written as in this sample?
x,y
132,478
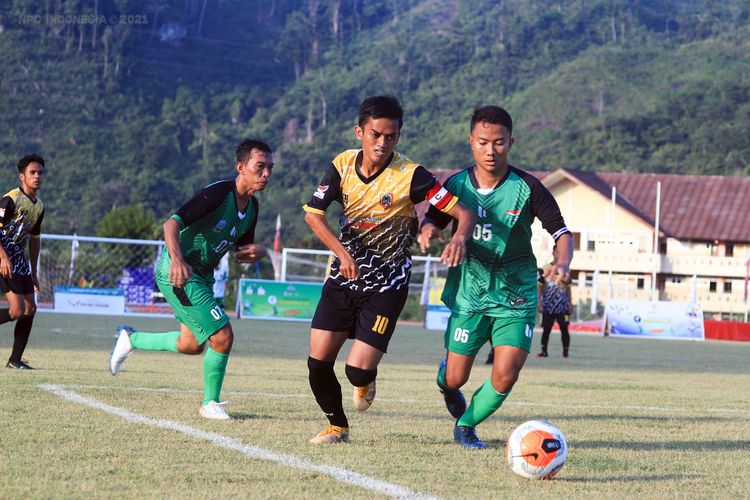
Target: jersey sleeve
x,y
328,191
545,208
249,235
7,210
202,203
37,229
426,187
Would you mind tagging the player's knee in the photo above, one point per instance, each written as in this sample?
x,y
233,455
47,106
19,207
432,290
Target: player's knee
x,y
316,366
504,382
222,341
359,377
30,310
15,313
455,380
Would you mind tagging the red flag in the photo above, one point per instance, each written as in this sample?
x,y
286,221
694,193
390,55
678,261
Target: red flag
x,y
277,237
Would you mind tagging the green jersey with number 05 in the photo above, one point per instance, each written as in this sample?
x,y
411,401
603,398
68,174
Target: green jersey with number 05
x,y
498,276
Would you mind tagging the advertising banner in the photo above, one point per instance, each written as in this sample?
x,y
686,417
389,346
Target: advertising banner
x,y
657,320
89,300
277,299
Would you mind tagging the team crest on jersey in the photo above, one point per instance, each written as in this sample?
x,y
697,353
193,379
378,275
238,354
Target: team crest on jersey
x,y
321,191
481,212
517,302
386,200
219,227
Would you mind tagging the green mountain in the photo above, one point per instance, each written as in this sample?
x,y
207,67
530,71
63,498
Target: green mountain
x,y
142,102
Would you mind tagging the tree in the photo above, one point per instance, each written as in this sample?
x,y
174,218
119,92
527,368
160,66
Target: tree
x,y
129,221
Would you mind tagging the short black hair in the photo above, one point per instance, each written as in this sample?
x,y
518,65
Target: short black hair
x,y
24,162
245,149
492,114
381,106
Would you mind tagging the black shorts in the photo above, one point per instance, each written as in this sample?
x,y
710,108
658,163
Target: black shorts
x,y
20,285
368,317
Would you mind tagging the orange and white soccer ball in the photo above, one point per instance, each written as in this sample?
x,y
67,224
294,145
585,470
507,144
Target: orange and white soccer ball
x,y
536,450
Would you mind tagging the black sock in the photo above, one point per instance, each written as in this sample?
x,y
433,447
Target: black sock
x,y
20,337
4,316
327,391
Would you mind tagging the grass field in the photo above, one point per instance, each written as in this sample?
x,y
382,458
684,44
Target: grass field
x,y
643,418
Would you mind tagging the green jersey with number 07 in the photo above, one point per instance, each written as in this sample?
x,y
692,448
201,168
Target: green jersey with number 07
x,y
498,276
211,225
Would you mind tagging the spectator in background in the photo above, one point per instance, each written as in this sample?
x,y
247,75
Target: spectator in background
x,y
555,304
221,276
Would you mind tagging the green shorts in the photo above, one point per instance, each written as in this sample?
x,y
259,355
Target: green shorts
x,y
194,306
467,333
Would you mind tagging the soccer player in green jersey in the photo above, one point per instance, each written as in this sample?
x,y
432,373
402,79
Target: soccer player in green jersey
x,y
492,295
219,217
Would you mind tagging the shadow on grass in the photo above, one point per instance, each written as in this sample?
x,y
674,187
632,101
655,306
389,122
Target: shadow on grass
x,y
239,415
629,479
719,445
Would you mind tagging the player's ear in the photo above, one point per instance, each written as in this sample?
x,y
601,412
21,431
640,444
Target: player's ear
x,y
358,132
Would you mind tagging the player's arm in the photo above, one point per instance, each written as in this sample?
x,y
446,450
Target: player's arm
x,y
179,270
35,245
249,252
315,217
545,208
7,209
444,206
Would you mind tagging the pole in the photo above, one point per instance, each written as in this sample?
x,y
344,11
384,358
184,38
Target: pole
x,y
612,237
656,242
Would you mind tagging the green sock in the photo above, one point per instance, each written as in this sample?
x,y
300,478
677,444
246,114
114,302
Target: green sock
x,y
484,403
155,341
441,379
214,368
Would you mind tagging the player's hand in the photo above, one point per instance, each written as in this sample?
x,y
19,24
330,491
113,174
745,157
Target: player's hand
x,y
179,273
559,273
454,252
348,267
426,234
250,254
35,281
6,269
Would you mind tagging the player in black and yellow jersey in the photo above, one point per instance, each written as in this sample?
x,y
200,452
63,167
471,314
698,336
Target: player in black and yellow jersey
x,y
21,214
368,283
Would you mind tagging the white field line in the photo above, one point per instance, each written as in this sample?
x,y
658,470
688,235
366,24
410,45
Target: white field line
x,y
436,401
337,473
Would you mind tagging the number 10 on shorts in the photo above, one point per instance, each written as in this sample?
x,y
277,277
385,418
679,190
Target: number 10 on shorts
x,y
461,335
381,324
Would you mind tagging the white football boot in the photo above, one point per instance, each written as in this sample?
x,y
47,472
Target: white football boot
x,y
123,348
215,411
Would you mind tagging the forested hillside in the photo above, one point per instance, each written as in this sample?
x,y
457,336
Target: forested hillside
x,y
138,103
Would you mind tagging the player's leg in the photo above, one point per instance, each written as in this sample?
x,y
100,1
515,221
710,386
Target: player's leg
x,y
214,369
376,322
564,320
512,341
464,337
15,294
333,320
548,320
24,321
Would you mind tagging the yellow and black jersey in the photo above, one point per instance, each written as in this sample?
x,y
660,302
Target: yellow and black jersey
x,y
379,223
20,218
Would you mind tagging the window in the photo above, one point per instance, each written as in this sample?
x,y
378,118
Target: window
x,y
727,287
729,251
711,286
591,246
662,247
640,283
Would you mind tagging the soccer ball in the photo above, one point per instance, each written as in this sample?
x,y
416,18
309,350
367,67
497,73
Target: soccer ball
x,y
536,450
